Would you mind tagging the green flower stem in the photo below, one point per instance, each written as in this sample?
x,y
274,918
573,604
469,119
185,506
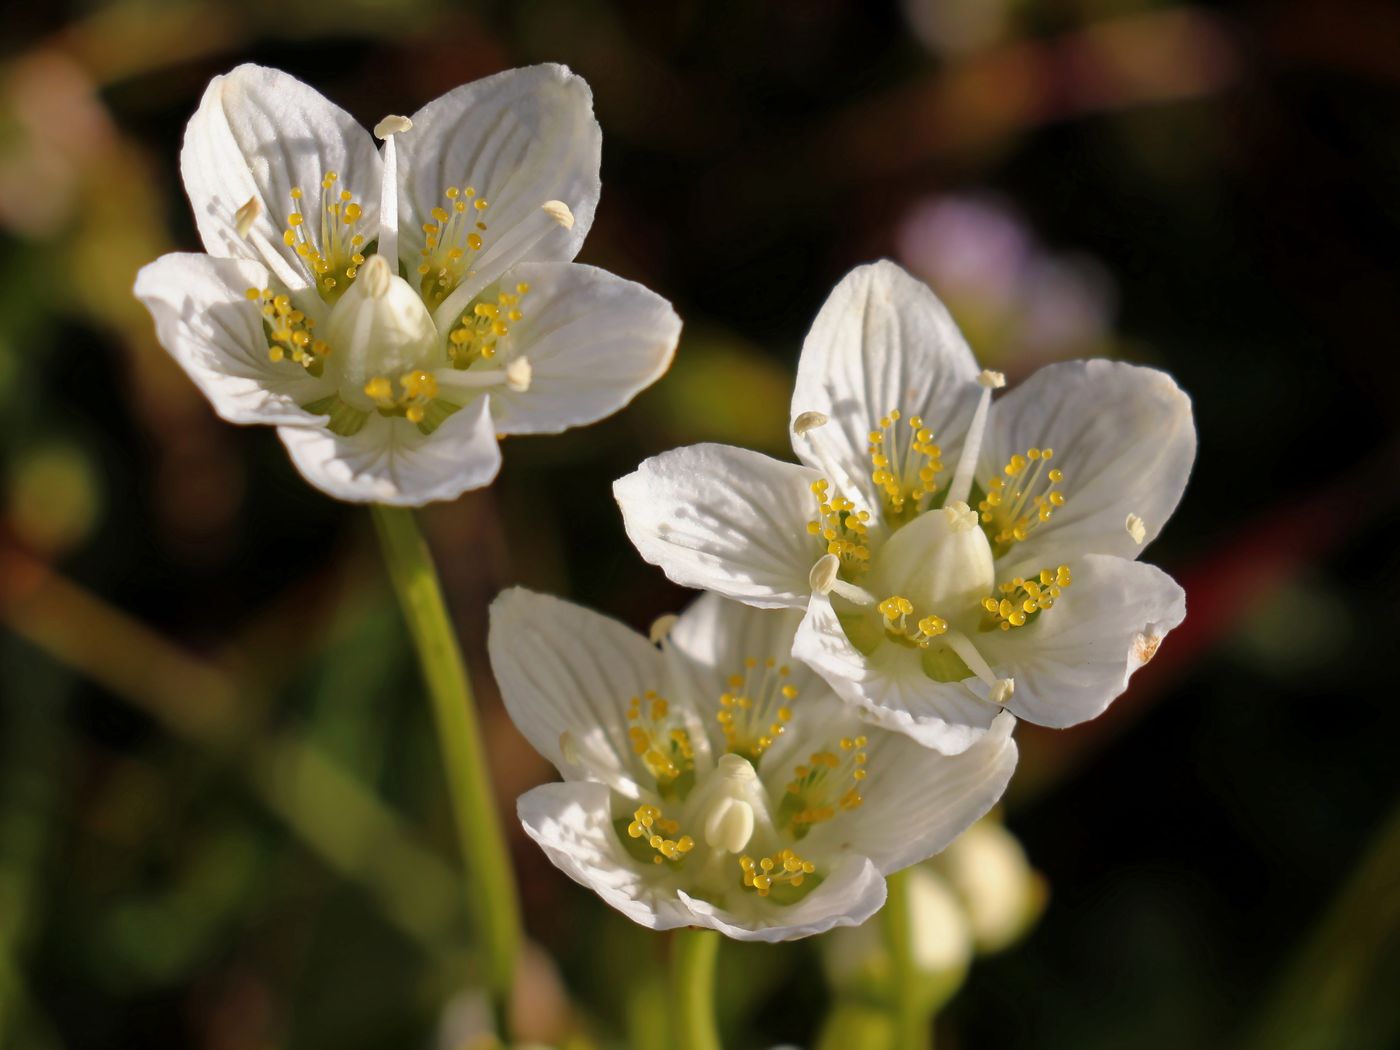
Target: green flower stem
x,y
491,899
911,1015
693,988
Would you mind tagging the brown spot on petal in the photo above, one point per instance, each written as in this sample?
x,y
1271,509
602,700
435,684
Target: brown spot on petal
x,y
1145,647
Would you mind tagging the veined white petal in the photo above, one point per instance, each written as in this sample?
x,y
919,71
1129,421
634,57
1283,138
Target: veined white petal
x,y
1074,659
889,686
566,669
206,322
724,519
572,823
852,891
257,134
593,342
917,801
392,461
520,139
1124,437
882,341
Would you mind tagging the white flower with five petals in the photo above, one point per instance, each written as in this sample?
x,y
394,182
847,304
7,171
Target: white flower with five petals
x,y
954,555
708,783
392,312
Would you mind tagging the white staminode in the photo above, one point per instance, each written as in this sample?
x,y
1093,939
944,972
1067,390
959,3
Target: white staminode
x,y
393,311
954,553
709,783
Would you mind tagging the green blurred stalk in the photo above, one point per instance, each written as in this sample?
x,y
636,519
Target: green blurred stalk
x,y
693,954
1339,991
491,899
911,1017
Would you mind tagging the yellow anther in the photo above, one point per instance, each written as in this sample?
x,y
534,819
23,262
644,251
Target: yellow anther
x,y
1022,499
841,527
660,833
664,748
1022,598
785,866
379,389
753,713
328,250
905,462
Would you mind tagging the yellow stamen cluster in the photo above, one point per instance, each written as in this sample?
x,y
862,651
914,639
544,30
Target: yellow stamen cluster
x,y
664,749
755,711
455,232
289,331
417,390
1022,598
338,258
906,471
648,823
483,326
842,527
898,612
785,866
1024,498
814,787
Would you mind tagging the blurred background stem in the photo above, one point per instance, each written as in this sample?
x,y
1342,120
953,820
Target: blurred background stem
x,y
1339,991
491,899
693,954
910,1015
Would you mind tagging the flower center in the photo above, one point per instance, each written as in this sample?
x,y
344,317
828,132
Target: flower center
x,y
333,257
1021,498
906,463
940,562
754,712
450,241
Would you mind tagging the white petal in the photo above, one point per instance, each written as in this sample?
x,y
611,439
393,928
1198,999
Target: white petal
x,y
258,133
594,341
392,461
852,892
712,639
890,687
566,669
917,801
573,824
725,519
1125,439
520,139
206,322
1075,658
882,341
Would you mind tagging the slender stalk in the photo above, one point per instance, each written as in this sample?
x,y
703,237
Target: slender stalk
x,y
693,988
491,899
911,1016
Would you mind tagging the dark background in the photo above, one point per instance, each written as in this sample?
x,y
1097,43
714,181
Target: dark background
x,y
222,822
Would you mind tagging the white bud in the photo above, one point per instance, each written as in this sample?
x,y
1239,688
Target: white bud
x,y
1137,529
1001,691
518,375
992,380
661,628
806,421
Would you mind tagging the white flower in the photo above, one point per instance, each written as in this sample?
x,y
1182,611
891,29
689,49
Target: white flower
x,y
394,388
930,531
707,783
